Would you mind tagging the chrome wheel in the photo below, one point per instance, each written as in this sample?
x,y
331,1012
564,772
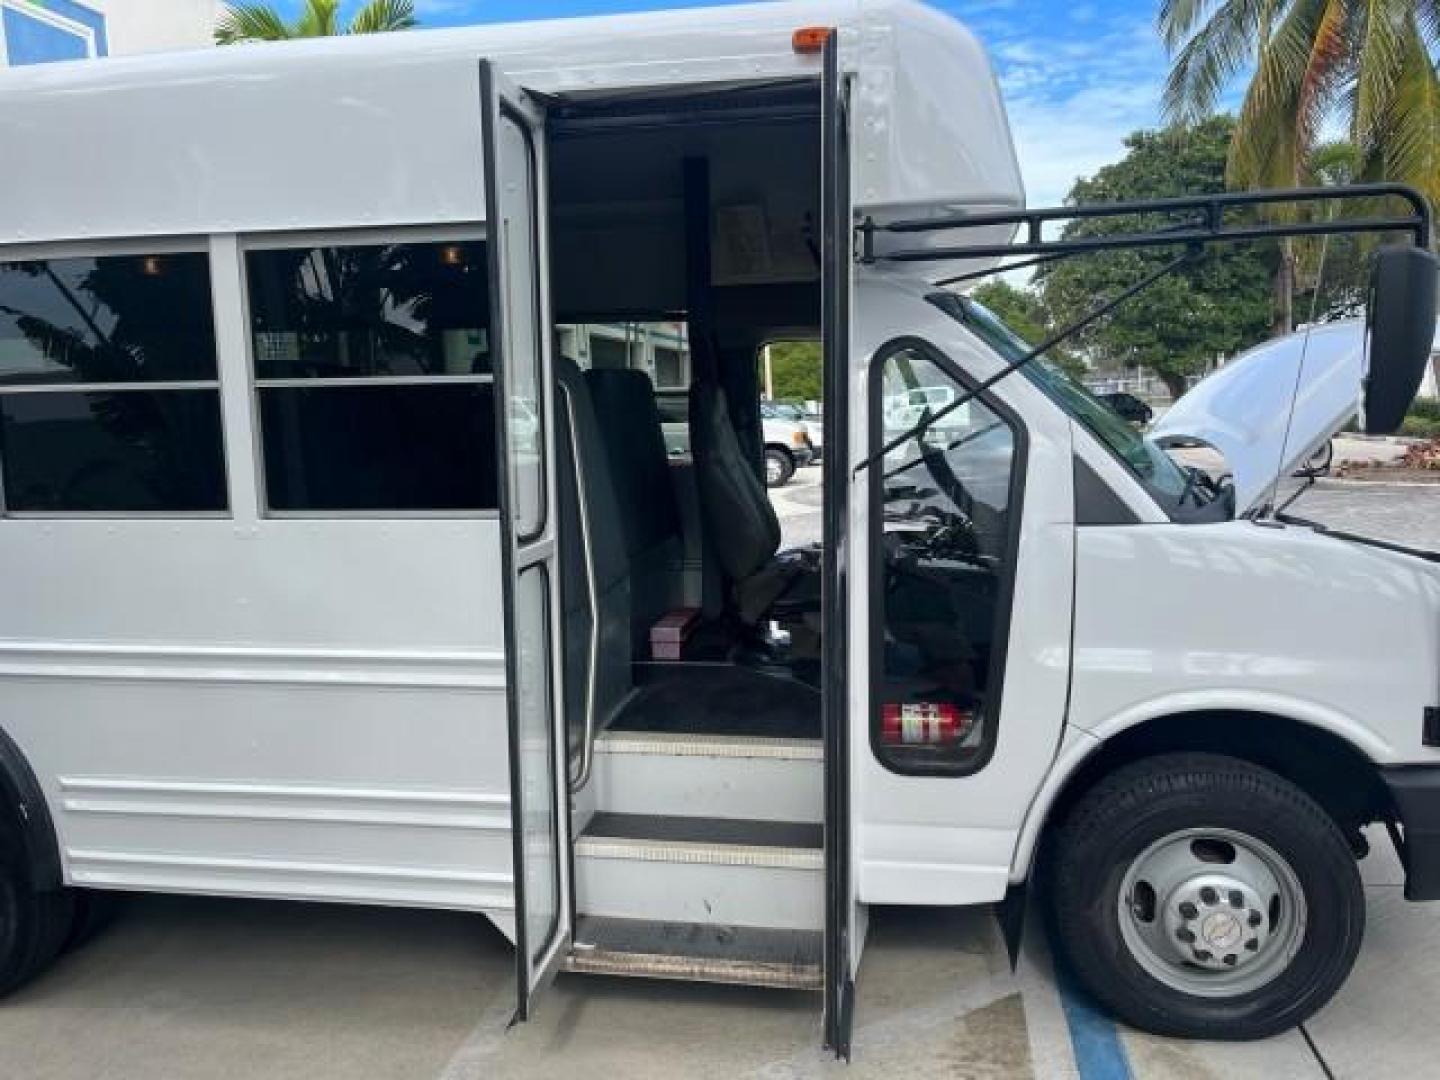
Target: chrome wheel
x,y
776,470
1212,912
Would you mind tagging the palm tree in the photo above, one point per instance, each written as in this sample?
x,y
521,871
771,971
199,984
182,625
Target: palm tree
x,y
319,18
1370,63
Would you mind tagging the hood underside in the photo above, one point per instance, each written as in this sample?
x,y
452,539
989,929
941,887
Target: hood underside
x,y
1271,408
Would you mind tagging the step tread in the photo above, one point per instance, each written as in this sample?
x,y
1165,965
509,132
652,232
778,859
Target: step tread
x,y
785,845
741,955
685,744
744,832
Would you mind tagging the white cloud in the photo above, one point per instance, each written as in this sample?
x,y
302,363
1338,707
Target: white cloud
x,y
1072,100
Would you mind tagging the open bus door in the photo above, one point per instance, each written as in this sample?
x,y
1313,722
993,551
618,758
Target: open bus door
x,y
842,919
514,205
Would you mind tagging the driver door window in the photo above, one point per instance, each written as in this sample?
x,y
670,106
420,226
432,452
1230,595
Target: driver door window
x,y
946,508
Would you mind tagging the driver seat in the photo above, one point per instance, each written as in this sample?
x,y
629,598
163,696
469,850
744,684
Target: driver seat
x,y
739,520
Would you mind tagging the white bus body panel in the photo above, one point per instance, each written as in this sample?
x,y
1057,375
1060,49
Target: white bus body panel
x,y
289,708
1235,616
315,707
252,138
950,839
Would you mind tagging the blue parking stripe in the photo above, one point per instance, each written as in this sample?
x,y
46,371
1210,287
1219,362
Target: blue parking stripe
x,y
1099,1054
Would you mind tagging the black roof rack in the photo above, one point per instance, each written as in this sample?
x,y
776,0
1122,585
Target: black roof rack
x,y
1207,224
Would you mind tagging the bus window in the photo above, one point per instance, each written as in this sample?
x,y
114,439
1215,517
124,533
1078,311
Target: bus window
x,y
109,396
373,371
944,553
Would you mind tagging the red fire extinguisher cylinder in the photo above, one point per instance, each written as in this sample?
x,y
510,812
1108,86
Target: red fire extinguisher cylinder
x,y
923,723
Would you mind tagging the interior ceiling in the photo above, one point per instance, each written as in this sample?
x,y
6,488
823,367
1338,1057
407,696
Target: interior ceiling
x,y
618,210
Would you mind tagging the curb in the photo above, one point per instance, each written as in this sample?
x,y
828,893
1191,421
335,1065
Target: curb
x,y
1335,483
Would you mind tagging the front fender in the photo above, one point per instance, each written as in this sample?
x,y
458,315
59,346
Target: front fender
x,y
1079,746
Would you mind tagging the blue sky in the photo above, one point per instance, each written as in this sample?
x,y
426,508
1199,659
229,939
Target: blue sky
x,y
1078,75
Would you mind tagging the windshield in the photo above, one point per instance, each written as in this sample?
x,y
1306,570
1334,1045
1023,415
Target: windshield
x,y
1150,464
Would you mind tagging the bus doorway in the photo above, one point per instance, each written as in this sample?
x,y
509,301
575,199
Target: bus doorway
x,y
697,687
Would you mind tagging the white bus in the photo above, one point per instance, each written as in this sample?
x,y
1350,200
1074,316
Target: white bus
x,y
296,606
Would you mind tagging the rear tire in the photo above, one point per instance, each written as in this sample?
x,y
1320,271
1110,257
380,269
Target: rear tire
x,y
1199,896
779,467
34,927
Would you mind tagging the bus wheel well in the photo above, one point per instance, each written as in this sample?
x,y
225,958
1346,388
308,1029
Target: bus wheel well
x,y
1330,770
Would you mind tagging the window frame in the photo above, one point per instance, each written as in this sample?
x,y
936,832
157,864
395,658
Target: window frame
x,y
364,237
60,250
1005,596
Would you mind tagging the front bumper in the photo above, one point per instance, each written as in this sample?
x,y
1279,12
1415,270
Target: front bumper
x,y
1415,791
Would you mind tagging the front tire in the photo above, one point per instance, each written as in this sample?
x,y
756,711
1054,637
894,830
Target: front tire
x,y
1199,896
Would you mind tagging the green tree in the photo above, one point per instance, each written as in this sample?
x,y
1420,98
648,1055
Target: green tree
x,y
1176,327
1368,62
318,18
1332,273
796,370
1024,311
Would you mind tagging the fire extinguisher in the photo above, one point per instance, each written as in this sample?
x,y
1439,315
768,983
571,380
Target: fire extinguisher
x,y
923,723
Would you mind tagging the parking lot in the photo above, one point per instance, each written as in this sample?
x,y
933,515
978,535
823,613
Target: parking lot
x,y
198,988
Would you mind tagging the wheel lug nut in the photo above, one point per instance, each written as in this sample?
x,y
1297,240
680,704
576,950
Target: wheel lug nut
x,y
1202,955
1236,900
1188,910
1255,919
1231,959
1185,935
1253,944
1208,895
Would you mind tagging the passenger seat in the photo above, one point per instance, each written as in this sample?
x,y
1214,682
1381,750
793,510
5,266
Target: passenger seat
x,y
634,447
594,566
600,683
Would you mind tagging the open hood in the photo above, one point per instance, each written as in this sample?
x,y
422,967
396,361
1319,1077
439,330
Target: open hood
x,y
1242,410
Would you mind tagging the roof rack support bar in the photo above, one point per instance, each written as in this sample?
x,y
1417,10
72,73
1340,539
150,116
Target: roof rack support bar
x,y
1207,223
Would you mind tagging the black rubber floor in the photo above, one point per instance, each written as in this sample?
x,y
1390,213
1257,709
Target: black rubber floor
x,y
721,699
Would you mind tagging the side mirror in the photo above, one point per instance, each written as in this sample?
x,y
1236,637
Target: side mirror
x,y
1400,326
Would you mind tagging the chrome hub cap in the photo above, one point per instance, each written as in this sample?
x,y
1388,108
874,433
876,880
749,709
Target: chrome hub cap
x,y
1212,912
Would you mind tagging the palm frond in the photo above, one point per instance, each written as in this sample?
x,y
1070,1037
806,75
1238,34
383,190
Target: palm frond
x,y
379,16
319,19
1267,149
249,22
1178,19
1325,71
1410,146
1210,58
1381,53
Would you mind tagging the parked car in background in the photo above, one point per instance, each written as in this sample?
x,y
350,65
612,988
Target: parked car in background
x,y
1129,407
787,442
784,410
787,447
911,407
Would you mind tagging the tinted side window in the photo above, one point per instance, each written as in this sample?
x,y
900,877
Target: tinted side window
x,y
945,538
130,318
109,397
373,370
383,309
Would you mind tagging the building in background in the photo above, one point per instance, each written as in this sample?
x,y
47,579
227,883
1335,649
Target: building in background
x,y
41,31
